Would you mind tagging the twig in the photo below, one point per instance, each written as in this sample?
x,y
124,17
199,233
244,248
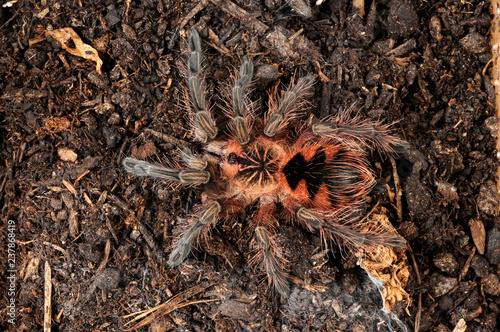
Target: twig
x,y
104,262
172,304
495,50
55,246
399,191
419,310
167,138
241,14
466,267
47,305
198,8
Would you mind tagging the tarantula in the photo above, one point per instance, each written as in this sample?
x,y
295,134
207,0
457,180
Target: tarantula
x,y
319,179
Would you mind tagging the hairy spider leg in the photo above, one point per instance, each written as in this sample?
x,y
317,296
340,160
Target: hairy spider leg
x,y
186,176
288,106
240,117
269,255
206,218
354,131
204,124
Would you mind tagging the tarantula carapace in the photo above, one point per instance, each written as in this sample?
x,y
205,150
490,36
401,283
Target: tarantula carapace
x,y
318,177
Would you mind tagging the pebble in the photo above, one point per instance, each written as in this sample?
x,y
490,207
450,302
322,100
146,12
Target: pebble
x,y
265,75
445,302
480,266
446,263
491,124
488,200
56,204
100,81
473,43
417,197
491,284
108,279
35,57
440,285
493,246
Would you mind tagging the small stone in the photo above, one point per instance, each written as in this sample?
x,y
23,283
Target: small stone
x,y
440,285
35,57
112,18
265,75
62,215
374,78
417,197
112,136
445,302
114,119
402,20
234,309
474,43
493,246
446,263
480,266
463,240
101,81
491,284
301,7
108,279
491,124
56,204
488,200
135,234
383,46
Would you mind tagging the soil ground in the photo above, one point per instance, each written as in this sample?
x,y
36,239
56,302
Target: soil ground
x,y
106,235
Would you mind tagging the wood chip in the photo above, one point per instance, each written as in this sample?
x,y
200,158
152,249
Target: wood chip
x,y
73,223
67,154
478,234
47,305
461,326
70,187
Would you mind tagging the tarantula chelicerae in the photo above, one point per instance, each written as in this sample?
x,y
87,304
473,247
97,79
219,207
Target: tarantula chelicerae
x,y
319,179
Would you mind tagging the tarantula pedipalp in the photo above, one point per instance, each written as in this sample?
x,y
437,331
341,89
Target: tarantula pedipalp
x,y
320,179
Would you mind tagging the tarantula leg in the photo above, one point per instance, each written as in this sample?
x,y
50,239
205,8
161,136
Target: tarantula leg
x,y
347,233
365,132
143,168
281,114
192,160
204,125
268,255
183,247
241,126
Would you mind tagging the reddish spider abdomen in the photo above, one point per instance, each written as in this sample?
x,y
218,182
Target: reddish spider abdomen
x,y
328,176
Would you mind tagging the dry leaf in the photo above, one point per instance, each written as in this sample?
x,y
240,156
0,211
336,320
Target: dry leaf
x,y
478,234
65,35
387,265
57,125
67,154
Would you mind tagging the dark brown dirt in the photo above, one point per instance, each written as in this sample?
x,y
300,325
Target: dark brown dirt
x,y
65,129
